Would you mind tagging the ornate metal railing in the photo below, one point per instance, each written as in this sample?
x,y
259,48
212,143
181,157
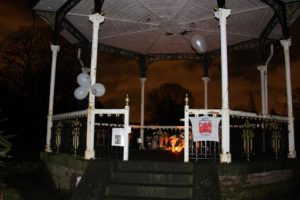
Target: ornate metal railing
x,y
161,137
156,137
69,133
103,136
204,150
252,136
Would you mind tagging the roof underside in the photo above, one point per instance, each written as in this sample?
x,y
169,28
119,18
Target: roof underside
x,y
167,26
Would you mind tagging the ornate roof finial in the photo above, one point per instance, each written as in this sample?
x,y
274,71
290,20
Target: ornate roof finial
x,y
127,100
186,99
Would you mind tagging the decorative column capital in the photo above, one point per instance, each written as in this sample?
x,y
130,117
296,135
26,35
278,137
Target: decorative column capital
x,y
54,48
262,68
143,79
286,43
222,14
126,101
96,18
186,99
205,79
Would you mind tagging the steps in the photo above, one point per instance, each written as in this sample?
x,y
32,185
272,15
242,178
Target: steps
x,y
151,180
145,180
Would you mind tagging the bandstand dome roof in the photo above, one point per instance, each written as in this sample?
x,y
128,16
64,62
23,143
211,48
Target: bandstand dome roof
x,y
150,27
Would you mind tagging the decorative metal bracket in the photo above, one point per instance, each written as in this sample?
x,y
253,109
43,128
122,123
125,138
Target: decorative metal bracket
x,y
58,132
247,138
76,125
276,139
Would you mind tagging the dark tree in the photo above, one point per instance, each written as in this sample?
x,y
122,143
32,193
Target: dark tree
x,y
25,67
251,103
165,104
25,59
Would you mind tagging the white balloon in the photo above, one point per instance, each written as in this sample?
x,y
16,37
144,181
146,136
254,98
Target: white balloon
x,y
81,92
98,89
199,44
83,79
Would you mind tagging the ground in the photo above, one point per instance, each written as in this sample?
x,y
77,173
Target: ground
x,y
32,181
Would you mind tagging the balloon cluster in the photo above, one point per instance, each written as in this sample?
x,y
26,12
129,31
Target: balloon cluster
x,y
84,81
199,44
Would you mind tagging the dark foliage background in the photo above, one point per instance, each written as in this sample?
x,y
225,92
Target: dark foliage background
x,y
165,104
25,67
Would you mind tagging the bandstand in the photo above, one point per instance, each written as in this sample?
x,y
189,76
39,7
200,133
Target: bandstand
x,y
149,31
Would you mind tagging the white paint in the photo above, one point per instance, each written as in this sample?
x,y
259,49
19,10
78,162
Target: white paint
x,y
286,45
127,129
264,84
96,19
186,133
143,80
54,49
225,156
263,87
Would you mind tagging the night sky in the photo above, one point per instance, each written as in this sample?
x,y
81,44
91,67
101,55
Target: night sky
x,y
244,77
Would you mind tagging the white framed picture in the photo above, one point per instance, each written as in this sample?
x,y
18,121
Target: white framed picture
x,y
117,137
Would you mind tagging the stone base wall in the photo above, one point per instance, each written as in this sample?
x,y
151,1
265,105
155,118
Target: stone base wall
x,y
256,186
64,178
237,181
64,169
262,180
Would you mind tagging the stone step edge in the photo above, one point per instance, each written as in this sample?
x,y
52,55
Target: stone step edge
x,y
140,198
151,185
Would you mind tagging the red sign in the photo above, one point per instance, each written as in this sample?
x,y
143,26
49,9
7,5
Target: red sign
x,y
205,127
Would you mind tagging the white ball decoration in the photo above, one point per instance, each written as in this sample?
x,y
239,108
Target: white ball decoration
x,y
81,92
83,79
98,89
199,44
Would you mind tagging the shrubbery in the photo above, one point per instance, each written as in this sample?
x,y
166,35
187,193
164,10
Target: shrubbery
x,y
6,193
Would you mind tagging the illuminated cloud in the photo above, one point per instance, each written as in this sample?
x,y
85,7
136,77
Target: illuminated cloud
x,y
13,16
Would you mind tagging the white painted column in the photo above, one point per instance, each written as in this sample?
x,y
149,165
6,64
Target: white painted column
x,y
264,83
143,80
96,19
266,91
286,45
186,130
225,156
127,130
205,81
263,71
54,49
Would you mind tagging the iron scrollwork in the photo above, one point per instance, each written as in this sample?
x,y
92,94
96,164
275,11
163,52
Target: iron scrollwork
x,y
58,132
76,125
276,139
247,138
